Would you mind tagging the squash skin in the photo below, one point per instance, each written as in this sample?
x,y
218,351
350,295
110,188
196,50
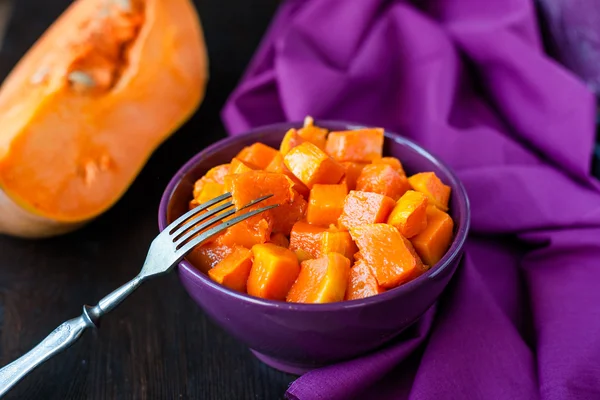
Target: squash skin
x,y
55,136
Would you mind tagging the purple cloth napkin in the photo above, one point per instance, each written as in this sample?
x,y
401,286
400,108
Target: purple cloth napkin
x,y
467,79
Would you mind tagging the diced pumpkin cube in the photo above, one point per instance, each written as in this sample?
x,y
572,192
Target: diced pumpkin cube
x,y
389,255
258,155
393,162
352,172
247,233
362,145
237,166
215,174
274,271
433,242
209,191
249,186
286,215
279,239
335,241
306,237
383,179
290,140
325,204
311,133
364,208
362,282
207,255
322,280
410,214
278,166
233,270
429,184
311,165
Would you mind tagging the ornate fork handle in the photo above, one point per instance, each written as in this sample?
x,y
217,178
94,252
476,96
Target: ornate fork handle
x,y
63,336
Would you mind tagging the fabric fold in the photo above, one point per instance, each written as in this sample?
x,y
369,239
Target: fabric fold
x,y
468,80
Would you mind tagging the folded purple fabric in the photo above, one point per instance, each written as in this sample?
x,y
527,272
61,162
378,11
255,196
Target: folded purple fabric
x,y
467,79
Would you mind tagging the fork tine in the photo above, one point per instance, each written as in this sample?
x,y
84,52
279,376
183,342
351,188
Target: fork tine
x,y
177,238
193,221
182,251
174,225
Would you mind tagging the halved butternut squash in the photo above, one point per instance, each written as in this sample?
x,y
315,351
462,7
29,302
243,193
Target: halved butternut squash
x,y
83,110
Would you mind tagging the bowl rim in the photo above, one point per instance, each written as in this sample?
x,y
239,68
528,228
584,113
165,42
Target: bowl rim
x,y
186,268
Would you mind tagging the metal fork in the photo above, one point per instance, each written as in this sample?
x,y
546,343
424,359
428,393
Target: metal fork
x,y
166,251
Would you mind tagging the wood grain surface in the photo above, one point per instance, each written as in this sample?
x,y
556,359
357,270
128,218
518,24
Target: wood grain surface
x,y
158,344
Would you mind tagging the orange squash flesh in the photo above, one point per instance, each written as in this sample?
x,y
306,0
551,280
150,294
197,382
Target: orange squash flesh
x,y
432,243
311,165
393,162
325,204
335,241
233,270
278,166
208,255
238,167
430,185
409,215
352,171
364,208
273,272
322,280
258,155
382,178
362,282
87,105
362,145
306,237
391,257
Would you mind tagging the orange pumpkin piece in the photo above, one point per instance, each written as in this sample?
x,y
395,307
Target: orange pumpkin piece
x,y
429,184
410,214
279,239
237,166
362,145
391,257
311,165
273,272
365,208
393,162
215,174
311,133
383,179
362,282
336,241
258,155
233,270
209,191
352,172
286,215
207,255
322,280
433,242
306,237
325,204
278,166
255,230
290,140
249,186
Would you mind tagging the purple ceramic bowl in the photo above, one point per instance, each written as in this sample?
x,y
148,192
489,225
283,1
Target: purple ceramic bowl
x,y
296,338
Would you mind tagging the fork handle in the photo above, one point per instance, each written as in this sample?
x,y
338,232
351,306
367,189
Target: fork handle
x,y
63,336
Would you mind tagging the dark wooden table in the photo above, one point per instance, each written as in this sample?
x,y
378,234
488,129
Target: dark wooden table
x,y
158,344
